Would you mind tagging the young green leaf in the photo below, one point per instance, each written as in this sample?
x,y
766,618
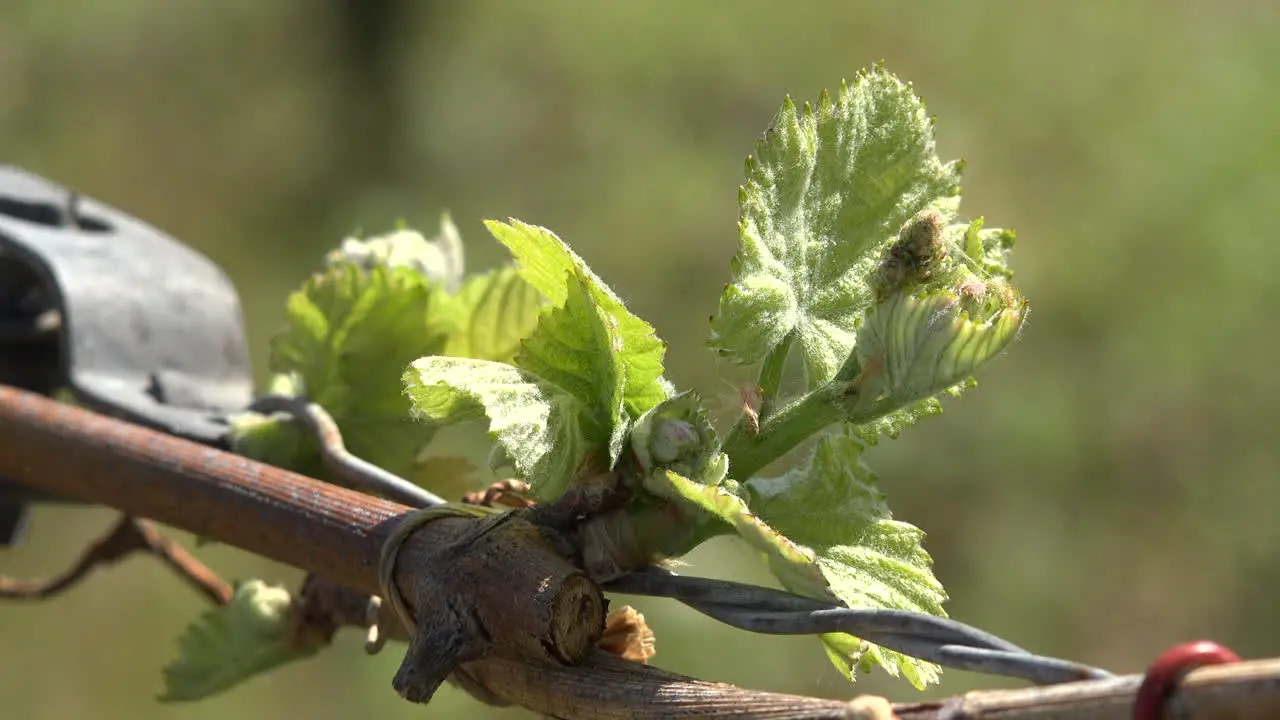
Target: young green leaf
x,y
576,347
826,192
490,315
832,509
544,430
543,261
350,335
792,563
826,532
252,634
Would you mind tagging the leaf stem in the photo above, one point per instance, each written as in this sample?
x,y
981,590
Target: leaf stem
x,y
783,430
771,374
768,382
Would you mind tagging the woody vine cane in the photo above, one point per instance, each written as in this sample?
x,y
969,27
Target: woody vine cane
x,y
327,530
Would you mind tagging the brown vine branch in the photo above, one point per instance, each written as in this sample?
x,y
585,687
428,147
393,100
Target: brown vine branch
x,y
339,534
128,536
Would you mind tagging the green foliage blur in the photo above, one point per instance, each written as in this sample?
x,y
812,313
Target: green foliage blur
x,y
1106,491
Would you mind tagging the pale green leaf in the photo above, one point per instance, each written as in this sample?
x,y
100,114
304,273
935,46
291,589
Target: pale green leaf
x,y
830,507
490,315
351,333
545,431
543,261
229,644
828,189
792,563
576,346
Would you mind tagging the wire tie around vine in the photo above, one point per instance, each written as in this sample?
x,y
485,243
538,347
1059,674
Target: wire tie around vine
x,y
357,472
408,524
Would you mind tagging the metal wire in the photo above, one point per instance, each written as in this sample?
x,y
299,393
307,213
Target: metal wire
x,y
939,640
944,641
358,474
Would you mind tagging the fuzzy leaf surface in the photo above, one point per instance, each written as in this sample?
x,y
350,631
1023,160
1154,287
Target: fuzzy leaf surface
x,y
351,332
490,315
826,191
830,507
576,346
542,429
252,634
544,260
915,346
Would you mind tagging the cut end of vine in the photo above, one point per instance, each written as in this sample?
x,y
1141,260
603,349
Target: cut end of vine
x,y
458,576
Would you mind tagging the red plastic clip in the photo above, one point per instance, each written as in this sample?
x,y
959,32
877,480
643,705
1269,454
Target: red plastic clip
x,y
1166,672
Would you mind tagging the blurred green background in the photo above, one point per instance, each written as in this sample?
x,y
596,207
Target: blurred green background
x,y
1107,491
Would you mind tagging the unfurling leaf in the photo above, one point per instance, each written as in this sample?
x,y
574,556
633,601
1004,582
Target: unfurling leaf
x,y
576,347
379,304
944,308
913,347
229,644
827,191
545,431
543,261
565,404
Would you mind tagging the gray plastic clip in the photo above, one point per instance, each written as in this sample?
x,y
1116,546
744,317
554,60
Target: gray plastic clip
x,y
129,320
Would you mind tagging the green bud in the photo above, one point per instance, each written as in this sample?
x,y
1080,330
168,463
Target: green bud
x,y
914,346
670,439
260,607
676,435
915,257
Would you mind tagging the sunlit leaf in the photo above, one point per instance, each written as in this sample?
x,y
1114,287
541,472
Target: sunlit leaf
x,y
830,507
351,333
827,190
544,260
543,429
490,315
229,644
